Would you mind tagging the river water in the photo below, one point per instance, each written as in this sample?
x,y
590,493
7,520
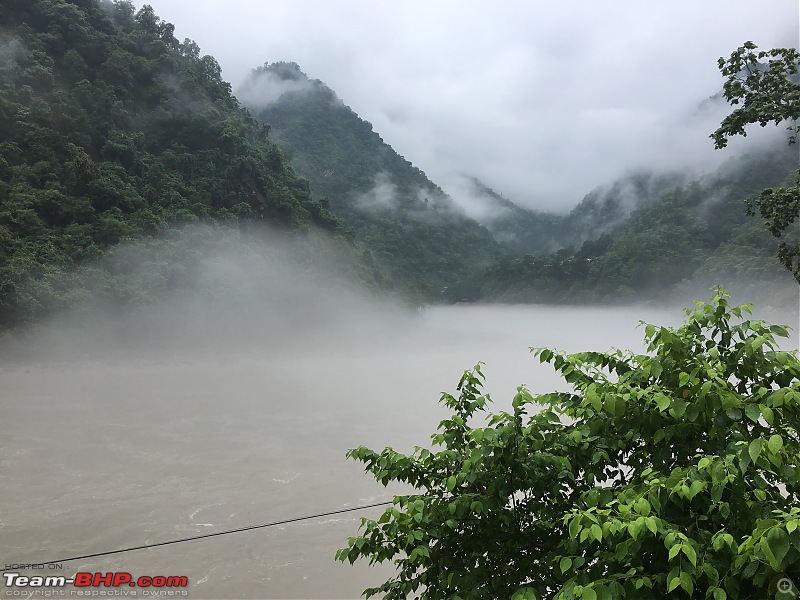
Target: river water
x,y
105,452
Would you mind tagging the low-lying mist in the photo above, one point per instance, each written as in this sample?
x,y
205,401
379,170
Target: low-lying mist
x,y
207,288
228,396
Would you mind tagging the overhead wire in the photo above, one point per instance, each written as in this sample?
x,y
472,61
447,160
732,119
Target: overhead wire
x,y
208,535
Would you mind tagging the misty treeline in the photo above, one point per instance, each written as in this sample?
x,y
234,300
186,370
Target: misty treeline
x,y
690,235
114,131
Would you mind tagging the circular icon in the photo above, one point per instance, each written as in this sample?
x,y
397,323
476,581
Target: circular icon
x,y
785,586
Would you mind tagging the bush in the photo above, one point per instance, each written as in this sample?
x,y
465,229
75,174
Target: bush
x,y
673,473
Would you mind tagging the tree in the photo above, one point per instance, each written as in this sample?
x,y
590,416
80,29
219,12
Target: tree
x,y
766,93
671,473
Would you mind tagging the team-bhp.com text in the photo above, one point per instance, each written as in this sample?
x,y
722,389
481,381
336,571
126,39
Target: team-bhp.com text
x,y
95,580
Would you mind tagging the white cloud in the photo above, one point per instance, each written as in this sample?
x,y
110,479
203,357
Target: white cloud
x,y
381,197
542,101
268,87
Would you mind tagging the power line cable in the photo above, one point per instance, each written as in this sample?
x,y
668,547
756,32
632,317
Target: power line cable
x,y
208,535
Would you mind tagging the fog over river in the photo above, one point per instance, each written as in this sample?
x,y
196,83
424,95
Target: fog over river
x,y
107,450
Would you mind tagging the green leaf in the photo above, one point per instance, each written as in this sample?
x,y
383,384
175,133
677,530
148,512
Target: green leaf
x,y
565,564
662,402
673,552
734,414
753,413
451,483
690,554
779,543
678,408
754,449
775,443
656,369
695,488
642,507
597,533
673,580
686,583
651,525
767,413
763,544
574,527
635,528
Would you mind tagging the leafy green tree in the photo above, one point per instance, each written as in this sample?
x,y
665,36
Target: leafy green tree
x,y
667,474
766,93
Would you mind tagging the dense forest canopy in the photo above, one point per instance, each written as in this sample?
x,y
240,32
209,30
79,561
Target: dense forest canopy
x,y
115,130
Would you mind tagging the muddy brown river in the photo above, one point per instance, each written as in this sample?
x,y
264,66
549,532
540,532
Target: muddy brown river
x,y
99,453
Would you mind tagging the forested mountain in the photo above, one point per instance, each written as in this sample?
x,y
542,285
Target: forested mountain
x,y
520,230
412,228
624,226
114,130
691,236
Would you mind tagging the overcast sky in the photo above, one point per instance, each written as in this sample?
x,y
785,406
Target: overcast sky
x,y
543,101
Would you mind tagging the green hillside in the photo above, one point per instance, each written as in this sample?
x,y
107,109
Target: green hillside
x,y
693,235
113,130
412,228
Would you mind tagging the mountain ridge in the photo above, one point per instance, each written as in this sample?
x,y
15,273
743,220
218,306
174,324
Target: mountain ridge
x,y
413,229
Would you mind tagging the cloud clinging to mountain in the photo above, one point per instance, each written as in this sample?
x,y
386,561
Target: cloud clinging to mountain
x,y
542,101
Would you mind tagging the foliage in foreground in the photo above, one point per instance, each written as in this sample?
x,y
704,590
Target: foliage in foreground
x,y
668,474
